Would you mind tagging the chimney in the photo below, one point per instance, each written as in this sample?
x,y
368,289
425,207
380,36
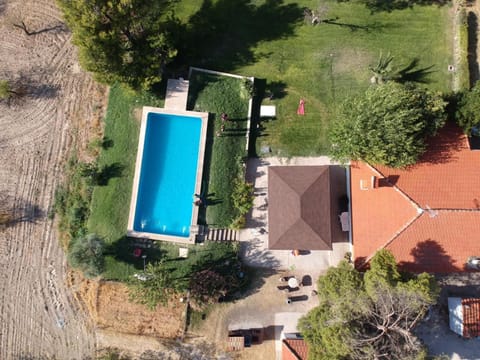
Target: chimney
x,y
363,185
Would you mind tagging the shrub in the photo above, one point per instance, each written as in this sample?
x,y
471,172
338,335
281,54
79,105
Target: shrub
x,y
86,254
90,172
207,287
249,87
242,196
468,109
387,125
238,223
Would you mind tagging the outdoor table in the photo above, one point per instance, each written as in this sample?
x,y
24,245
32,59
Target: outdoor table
x,y
292,283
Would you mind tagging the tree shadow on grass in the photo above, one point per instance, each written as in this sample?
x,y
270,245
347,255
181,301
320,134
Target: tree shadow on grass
x,y
412,73
108,172
377,27
106,143
197,82
472,24
123,249
276,90
256,280
222,33
376,6
207,161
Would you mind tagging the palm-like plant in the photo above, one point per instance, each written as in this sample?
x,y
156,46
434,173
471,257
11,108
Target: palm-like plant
x,y
383,71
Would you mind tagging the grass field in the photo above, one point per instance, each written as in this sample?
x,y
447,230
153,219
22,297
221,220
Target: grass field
x,y
225,150
110,203
321,64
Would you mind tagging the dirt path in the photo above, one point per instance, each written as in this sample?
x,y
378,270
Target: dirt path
x,y
38,316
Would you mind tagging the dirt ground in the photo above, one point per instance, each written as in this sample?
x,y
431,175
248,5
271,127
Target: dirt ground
x,y
259,308
435,331
39,317
109,306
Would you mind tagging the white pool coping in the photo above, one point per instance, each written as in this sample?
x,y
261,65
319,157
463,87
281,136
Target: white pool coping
x,y
138,165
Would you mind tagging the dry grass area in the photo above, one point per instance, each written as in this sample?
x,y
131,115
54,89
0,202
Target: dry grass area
x,y
109,306
131,329
60,113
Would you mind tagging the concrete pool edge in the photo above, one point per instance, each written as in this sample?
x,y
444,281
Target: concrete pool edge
x,y
136,179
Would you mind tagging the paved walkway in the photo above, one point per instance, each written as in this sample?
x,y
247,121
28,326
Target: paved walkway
x,y
254,238
177,93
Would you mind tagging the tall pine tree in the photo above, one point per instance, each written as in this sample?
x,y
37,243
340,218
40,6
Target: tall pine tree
x,y
128,41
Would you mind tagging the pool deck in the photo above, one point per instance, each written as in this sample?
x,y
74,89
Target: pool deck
x,y
201,152
177,94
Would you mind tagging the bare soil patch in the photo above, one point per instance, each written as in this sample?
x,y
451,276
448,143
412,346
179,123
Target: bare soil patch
x,y
109,305
257,309
39,316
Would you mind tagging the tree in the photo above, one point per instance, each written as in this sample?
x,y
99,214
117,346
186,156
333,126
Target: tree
x,y
86,254
128,41
156,285
6,90
206,287
207,275
383,271
384,70
89,171
468,110
386,125
371,318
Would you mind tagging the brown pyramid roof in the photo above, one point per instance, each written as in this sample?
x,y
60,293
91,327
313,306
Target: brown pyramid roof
x,y
303,207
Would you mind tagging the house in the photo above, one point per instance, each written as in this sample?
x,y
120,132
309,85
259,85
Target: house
x,y
294,348
304,205
242,338
464,316
427,215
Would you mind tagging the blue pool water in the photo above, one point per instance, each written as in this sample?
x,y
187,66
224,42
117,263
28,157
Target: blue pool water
x,y
168,175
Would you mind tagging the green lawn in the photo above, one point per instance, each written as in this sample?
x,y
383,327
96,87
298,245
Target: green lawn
x,y
224,150
322,64
110,203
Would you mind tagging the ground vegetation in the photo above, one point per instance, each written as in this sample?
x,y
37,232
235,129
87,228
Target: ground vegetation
x,y
468,110
370,316
127,41
388,125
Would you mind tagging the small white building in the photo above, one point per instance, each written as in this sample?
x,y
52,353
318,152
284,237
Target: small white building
x,y
464,316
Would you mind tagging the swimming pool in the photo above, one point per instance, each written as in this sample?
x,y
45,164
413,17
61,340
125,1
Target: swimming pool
x,y
168,172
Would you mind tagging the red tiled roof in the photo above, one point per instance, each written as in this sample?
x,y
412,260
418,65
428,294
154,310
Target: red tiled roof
x,y
438,242
377,214
446,177
471,317
428,215
294,349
